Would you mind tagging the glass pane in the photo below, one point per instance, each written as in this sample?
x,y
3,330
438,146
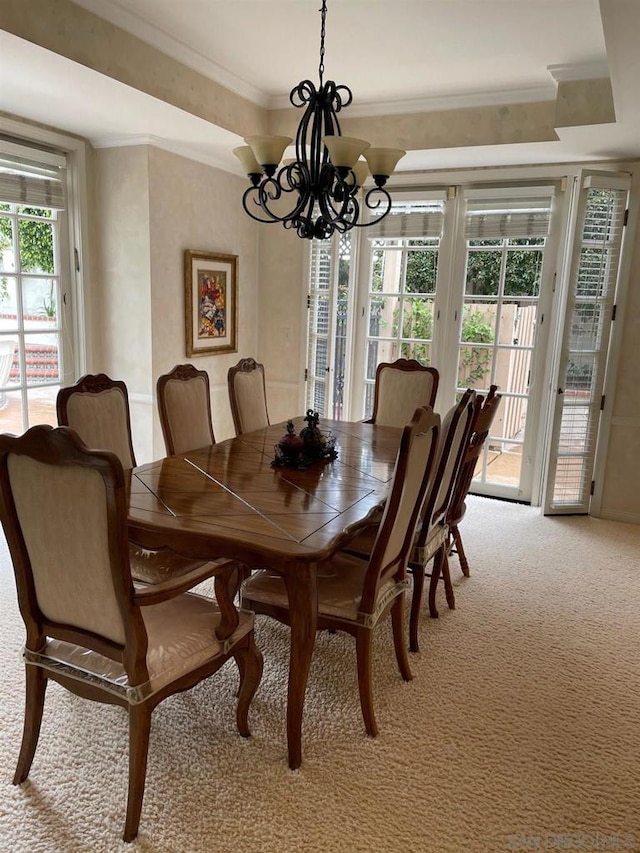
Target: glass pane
x,y
7,258
40,303
503,463
511,417
11,412
369,391
386,274
9,362
322,315
424,241
44,212
418,350
377,270
8,304
474,366
36,246
372,360
483,273
422,269
522,277
41,405
526,241
479,322
417,319
383,316
42,357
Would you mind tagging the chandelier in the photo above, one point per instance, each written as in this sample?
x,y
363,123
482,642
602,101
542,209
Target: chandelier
x,y
320,191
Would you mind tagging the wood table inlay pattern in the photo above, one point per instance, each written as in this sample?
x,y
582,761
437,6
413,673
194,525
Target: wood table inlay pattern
x,y
228,501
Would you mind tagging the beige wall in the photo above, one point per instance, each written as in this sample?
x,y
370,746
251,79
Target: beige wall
x,y
193,206
282,318
150,206
121,309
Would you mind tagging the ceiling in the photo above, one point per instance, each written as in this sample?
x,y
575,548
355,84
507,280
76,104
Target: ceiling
x,y
395,55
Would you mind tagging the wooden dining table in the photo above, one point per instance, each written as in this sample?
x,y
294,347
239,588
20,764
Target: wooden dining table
x,y
228,500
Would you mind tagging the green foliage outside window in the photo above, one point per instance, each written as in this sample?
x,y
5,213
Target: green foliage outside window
x,y
36,250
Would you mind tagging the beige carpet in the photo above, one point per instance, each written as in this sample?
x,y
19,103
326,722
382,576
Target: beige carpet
x,y
520,730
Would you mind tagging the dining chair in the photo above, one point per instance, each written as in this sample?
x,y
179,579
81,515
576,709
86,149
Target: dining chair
x,y
64,514
355,593
430,542
97,409
485,410
248,396
429,537
184,406
401,386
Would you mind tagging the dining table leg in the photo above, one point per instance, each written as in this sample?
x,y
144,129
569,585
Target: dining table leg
x,y
303,614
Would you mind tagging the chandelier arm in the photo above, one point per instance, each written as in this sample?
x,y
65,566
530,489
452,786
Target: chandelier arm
x,y
371,204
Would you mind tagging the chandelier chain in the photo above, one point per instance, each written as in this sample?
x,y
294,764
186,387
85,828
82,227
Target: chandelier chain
x,y
322,34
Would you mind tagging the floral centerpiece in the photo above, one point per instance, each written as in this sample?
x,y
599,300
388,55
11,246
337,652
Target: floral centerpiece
x,y
311,445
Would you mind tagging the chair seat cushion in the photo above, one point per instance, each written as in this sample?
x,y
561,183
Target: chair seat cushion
x,y
158,566
436,538
181,638
339,584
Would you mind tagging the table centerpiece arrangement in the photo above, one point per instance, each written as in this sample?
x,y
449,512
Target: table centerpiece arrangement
x,y
310,446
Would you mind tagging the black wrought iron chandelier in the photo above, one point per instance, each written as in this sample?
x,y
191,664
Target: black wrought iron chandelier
x,y
320,191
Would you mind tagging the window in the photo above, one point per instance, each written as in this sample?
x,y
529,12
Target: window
x,y
36,331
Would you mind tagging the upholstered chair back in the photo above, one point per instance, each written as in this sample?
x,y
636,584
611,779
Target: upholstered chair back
x,y
72,575
248,396
414,465
97,408
184,406
401,387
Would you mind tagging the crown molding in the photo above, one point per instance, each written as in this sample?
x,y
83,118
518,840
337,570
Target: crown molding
x,y
579,71
166,43
365,109
183,150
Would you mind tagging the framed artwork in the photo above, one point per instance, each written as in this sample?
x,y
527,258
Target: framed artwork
x,y
211,302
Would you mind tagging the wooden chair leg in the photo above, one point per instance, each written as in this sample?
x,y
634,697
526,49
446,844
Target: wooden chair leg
x,y
36,685
416,602
363,656
249,661
139,728
433,586
446,575
462,557
397,623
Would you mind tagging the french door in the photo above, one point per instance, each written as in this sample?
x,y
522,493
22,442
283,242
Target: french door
x,y
461,282
593,264
34,286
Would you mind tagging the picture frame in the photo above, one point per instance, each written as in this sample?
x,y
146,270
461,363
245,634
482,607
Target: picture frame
x,y
211,302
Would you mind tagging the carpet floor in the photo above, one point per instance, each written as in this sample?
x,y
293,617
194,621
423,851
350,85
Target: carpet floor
x,y
520,730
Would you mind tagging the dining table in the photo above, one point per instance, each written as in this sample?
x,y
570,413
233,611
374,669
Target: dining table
x,y
232,500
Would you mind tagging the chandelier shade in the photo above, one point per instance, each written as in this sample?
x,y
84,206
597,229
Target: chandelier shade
x,y
321,190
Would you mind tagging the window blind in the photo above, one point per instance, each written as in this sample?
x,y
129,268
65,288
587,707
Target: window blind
x,y
411,220
493,219
30,177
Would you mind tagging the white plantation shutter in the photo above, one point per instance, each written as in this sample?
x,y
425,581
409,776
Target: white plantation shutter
x,y
595,264
319,341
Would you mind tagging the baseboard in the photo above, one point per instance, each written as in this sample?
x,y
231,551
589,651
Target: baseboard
x,y
629,517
